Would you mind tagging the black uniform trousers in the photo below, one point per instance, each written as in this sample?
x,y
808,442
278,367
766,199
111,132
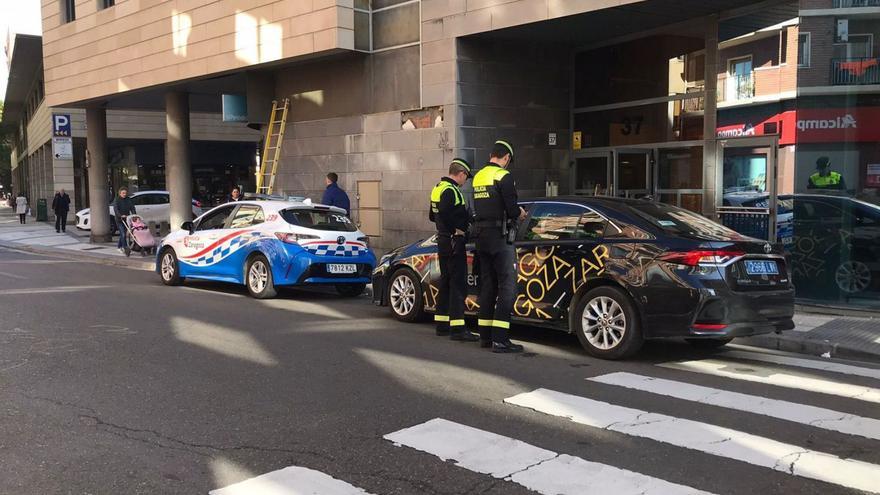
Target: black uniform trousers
x,y
60,221
497,261
452,255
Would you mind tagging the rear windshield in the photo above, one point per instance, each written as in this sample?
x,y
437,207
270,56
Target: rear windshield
x,y
680,221
318,219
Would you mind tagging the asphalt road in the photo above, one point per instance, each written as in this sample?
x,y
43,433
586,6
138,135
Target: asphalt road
x,y
112,383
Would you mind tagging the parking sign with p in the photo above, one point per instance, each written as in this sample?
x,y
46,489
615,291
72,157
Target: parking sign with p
x,y
61,125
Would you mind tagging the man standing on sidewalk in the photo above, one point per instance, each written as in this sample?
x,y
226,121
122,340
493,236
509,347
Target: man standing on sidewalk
x,y
122,208
61,205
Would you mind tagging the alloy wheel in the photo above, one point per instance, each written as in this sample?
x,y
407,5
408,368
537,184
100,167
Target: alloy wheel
x,y
403,295
853,276
258,276
604,323
167,267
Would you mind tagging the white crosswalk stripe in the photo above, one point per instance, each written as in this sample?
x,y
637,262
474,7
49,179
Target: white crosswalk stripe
x,y
292,480
788,411
535,468
831,366
704,437
779,378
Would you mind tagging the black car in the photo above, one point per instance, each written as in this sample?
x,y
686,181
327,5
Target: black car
x,y
617,272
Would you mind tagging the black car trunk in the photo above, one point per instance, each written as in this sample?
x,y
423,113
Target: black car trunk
x,y
756,265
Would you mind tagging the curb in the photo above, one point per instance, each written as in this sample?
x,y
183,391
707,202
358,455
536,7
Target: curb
x,y
813,347
78,256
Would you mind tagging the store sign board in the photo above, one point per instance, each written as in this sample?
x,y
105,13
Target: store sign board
x,y
813,125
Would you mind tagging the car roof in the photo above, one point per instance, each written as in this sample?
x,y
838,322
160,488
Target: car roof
x,y
149,192
587,200
275,206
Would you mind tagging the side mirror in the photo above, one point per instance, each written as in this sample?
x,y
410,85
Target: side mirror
x,y
188,226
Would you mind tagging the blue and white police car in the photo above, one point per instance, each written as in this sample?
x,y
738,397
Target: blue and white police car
x,y
267,244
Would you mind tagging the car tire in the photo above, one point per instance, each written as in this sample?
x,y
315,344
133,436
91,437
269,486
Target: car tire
x,y
607,324
258,278
852,277
709,343
169,268
350,290
405,296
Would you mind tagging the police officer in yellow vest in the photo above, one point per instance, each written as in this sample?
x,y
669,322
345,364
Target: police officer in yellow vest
x,y
451,216
824,177
496,215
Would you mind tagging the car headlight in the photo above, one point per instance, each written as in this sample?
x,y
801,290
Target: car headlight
x,y
385,259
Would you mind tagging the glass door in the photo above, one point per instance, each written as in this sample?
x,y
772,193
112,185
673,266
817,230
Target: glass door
x,y
748,187
632,176
592,173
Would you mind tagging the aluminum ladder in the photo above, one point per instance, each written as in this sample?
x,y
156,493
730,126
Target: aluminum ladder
x,y
272,148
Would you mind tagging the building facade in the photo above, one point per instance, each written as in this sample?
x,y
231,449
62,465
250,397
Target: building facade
x,y
705,105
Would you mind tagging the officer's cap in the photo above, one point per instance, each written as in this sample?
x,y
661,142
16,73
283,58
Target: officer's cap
x,y
500,144
465,164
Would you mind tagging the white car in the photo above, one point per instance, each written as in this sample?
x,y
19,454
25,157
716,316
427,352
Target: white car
x,y
152,206
266,244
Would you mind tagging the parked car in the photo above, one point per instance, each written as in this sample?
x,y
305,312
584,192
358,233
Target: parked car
x,y
267,244
153,206
617,272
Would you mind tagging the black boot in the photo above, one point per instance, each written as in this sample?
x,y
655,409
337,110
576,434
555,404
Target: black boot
x,y
464,335
506,347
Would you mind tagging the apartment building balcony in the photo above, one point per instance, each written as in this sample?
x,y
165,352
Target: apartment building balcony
x,y
855,71
736,88
850,4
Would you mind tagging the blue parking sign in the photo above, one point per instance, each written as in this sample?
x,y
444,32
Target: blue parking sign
x,y
61,125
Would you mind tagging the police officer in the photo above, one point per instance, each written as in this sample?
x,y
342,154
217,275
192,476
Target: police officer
x,y
824,177
452,218
497,212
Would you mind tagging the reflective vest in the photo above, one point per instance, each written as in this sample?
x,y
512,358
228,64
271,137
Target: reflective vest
x,y
488,203
448,221
438,191
830,180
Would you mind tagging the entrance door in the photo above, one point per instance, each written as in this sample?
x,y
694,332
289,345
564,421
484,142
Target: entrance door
x,y
592,173
748,187
632,176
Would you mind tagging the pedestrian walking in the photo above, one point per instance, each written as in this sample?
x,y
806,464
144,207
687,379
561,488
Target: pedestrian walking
x,y
235,195
61,205
123,206
450,214
21,207
497,214
335,195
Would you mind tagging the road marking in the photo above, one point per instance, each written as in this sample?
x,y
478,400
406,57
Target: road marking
x,y
703,437
50,290
787,411
535,468
831,366
12,275
292,480
33,262
773,376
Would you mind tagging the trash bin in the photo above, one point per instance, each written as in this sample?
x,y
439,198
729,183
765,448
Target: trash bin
x,y
42,210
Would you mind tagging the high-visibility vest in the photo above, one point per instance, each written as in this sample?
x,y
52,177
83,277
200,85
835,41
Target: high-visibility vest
x,y
438,191
819,180
488,203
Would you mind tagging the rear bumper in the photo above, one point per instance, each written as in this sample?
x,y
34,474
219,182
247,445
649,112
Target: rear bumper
x,y
305,268
743,314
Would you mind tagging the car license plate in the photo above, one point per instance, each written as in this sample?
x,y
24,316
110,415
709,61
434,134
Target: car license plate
x,y
341,268
761,267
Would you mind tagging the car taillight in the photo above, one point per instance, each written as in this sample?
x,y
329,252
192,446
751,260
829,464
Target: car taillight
x,y
290,238
365,240
708,327
701,257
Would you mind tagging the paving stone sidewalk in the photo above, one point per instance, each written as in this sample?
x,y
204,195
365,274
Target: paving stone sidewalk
x,y
40,237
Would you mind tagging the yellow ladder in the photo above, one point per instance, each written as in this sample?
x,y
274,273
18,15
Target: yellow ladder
x,y
272,148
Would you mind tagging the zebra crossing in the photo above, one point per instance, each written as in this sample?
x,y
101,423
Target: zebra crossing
x,y
545,471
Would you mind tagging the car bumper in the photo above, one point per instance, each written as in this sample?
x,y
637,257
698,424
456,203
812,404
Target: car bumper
x,y
743,314
82,223
304,268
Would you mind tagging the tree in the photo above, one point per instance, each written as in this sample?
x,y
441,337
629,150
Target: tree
x,y
6,135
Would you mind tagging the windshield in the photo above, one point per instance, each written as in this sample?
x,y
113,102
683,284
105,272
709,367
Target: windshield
x,y
681,221
318,219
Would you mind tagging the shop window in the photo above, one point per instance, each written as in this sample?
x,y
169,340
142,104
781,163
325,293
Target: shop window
x,y
804,50
68,11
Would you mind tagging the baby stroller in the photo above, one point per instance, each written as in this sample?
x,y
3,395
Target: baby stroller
x,y
139,237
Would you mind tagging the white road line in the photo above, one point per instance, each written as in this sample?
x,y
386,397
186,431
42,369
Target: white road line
x,y
777,377
831,366
50,290
826,419
704,437
535,468
293,480
12,275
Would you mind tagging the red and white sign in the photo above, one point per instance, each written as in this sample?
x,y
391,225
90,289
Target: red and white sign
x,y
814,125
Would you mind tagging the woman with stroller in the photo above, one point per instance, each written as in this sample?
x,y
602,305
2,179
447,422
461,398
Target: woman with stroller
x,y
123,206
21,207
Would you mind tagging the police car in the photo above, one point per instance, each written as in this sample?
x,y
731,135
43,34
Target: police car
x,y
267,244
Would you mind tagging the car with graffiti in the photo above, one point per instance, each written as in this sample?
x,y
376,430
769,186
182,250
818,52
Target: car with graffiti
x,y
617,272
264,245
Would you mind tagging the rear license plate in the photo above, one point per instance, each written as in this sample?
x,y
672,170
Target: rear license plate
x,y
761,267
341,268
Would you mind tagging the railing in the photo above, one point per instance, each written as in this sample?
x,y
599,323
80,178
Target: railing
x,y
855,71
737,88
846,4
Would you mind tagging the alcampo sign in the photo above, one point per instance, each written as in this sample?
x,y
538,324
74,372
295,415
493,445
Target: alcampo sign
x,y
813,125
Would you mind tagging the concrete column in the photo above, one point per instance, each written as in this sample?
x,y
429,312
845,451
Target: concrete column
x,y
178,170
99,195
710,121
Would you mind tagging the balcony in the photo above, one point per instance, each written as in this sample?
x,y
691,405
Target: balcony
x,y
855,71
736,88
848,4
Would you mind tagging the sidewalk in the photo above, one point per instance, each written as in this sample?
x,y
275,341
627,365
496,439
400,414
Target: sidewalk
x,y
40,237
